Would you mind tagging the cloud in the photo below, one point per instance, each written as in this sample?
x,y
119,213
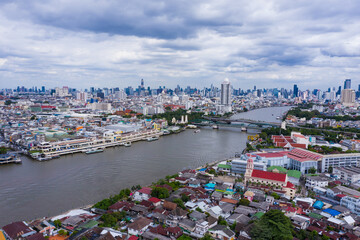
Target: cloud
x,y
115,43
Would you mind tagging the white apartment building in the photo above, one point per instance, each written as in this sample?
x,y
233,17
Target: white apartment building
x,y
316,181
340,160
350,174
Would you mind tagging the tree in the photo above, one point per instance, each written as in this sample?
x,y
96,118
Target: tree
x,y
159,192
199,210
222,221
272,225
275,195
185,198
244,202
207,237
233,226
8,102
184,237
57,223
179,202
62,232
109,220
330,170
312,170
3,150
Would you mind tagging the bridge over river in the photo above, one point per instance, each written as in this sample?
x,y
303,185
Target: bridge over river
x,y
242,122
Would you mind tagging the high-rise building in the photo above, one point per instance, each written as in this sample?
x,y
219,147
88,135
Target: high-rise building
x,y
142,84
81,96
225,93
348,97
296,90
347,84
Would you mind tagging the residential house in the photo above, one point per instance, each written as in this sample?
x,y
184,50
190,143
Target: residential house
x,y
17,230
139,226
142,194
222,232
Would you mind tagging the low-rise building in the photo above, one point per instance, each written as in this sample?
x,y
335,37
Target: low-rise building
x,y
316,181
349,174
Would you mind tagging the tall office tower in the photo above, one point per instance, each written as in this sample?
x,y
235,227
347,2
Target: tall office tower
x,y
348,97
225,93
338,91
81,96
43,88
142,84
347,84
296,90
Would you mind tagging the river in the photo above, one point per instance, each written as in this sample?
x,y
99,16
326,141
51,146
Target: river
x,y
37,189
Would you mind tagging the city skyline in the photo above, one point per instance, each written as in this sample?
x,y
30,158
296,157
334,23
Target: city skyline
x,y
115,44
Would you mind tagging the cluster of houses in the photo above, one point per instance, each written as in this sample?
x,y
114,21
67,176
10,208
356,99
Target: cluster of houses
x,y
202,204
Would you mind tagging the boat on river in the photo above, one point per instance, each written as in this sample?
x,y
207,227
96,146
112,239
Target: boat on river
x,y
150,139
127,144
94,150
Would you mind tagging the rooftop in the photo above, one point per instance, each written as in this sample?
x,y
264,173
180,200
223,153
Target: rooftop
x,y
280,177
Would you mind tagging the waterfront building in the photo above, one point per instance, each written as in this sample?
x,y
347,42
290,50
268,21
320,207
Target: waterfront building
x,y
225,97
142,194
17,230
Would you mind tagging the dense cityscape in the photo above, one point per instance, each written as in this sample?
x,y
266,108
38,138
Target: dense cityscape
x,y
179,120
301,168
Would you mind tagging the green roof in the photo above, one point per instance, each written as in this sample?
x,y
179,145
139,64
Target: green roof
x,y
281,169
294,173
259,214
88,225
224,166
315,215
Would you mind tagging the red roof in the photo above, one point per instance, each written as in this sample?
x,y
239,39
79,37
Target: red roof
x,y
290,185
145,190
269,175
16,229
341,195
154,200
133,238
270,155
298,145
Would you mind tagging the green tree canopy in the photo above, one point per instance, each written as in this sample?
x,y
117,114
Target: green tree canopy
x,y
159,192
244,202
272,225
179,202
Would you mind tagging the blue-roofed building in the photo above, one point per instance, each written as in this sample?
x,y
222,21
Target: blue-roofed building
x,y
318,205
209,186
332,212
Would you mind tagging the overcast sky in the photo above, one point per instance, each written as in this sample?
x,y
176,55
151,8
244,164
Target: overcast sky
x,y
115,43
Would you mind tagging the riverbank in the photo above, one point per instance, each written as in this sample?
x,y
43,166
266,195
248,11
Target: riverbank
x,y
35,189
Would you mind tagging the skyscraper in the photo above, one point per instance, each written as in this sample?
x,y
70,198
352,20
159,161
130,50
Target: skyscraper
x,y
347,84
296,90
225,93
348,97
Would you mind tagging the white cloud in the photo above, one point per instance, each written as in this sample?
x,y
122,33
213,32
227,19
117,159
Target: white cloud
x,y
116,43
